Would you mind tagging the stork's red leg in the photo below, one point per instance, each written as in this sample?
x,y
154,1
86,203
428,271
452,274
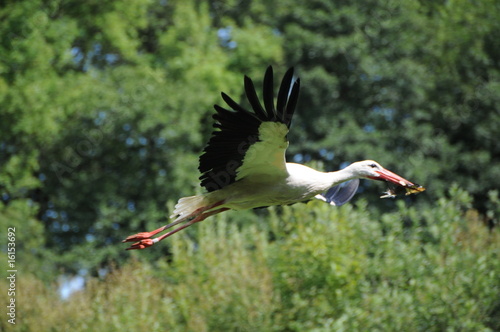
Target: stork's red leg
x,y
149,242
147,235
194,214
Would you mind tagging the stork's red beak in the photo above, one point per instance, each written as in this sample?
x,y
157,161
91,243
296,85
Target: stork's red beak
x,y
386,175
397,184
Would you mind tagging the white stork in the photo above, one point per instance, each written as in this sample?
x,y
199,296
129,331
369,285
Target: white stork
x,y
243,165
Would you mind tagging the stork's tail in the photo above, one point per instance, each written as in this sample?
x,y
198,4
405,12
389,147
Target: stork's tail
x,y
187,207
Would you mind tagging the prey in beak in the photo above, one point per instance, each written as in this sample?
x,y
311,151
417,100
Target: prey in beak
x,y
395,190
397,185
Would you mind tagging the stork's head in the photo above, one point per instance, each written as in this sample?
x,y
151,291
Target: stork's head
x,y
372,170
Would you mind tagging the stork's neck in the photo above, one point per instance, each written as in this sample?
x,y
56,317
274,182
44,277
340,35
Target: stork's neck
x,y
315,181
340,176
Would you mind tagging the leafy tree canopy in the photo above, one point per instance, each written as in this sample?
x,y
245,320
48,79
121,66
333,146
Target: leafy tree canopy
x,y
106,104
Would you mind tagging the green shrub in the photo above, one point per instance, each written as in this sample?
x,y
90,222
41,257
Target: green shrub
x,y
299,268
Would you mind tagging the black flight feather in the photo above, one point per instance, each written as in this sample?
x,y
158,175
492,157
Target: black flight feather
x,y
283,94
253,98
292,102
268,93
236,129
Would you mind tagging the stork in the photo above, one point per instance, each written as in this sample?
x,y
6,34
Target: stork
x,y
243,165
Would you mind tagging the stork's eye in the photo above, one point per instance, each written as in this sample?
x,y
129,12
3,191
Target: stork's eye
x,y
373,165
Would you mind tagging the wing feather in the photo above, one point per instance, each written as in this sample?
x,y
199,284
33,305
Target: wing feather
x,y
268,93
341,193
283,95
253,99
250,142
292,102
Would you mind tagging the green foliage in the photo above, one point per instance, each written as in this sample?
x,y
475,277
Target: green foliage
x,y
324,270
410,84
105,108
112,99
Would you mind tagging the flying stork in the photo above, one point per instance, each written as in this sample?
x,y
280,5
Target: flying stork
x,y
243,165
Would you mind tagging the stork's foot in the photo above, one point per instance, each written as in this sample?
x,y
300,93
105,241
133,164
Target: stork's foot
x,y
138,237
144,235
142,244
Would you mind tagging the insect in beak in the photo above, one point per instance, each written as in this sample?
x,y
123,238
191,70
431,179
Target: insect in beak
x,y
394,190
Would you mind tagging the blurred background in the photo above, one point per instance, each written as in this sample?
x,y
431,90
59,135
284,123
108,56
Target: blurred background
x,y
106,105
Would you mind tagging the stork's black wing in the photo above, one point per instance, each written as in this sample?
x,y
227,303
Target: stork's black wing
x,y
250,142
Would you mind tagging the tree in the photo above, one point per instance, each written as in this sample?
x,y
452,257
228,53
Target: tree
x,y
105,123
409,84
